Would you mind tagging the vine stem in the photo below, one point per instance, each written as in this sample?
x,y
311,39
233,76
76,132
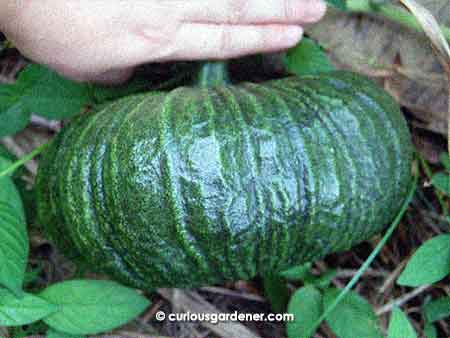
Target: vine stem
x,y
392,12
13,167
374,253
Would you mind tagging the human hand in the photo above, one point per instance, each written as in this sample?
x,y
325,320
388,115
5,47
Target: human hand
x,y
103,40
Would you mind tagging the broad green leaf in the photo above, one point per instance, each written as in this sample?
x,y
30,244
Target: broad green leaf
x,y
26,192
441,181
322,281
42,91
13,234
92,306
307,58
13,116
17,311
399,326
57,334
352,317
13,249
303,273
8,192
306,306
429,264
340,4
6,154
297,273
445,160
437,309
275,288
430,331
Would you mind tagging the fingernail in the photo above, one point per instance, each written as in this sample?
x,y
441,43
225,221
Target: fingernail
x,y
293,34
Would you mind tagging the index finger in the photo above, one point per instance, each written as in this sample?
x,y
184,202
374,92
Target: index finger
x,y
251,11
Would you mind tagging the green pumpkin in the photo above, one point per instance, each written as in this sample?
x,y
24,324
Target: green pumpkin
x,y
202,185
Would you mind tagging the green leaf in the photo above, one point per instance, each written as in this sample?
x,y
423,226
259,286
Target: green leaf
x,y
441,181
429,264
297,273
57,334
323,281
400,327
44,92
17,311
275,288
10,158
8,192
92,306
445,160
13,250
306,306
430,331
26,192
307,58
339,4
6,154
13,116
352,317
437,309
13,234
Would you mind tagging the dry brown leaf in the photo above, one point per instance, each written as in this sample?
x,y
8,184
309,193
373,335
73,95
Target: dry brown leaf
x,y
378,47
432,30
429,25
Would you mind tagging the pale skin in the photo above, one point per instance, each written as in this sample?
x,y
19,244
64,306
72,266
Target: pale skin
x,y
104,40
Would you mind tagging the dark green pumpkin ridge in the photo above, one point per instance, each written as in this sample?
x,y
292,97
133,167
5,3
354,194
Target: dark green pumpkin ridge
x,y
275,230
309,135
202,185
205,161
129,201
84,161
250,167
394,140
353,97
176,170
109,205
335,128
146,247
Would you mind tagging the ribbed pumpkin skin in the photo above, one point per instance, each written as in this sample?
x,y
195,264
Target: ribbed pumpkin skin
x,y
198,186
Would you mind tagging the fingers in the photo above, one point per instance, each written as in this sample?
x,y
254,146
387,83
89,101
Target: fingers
x,y
206,41
97,40
113,77
251,11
